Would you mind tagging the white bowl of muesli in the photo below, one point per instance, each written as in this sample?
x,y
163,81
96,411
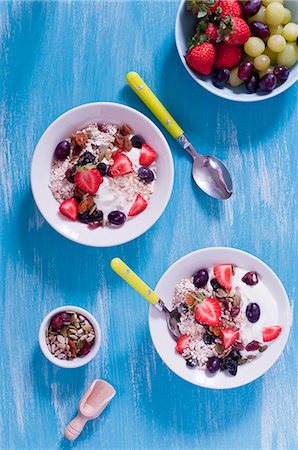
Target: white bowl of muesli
x,y
235,318
102,174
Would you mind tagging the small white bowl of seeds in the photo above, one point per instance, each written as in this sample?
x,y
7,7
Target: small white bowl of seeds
x,y
69,337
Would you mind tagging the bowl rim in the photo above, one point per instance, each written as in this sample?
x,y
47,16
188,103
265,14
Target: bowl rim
x,y
77,362
125,237
220,92
286,328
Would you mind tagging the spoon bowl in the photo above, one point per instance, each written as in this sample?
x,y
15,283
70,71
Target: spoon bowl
x,y
209,167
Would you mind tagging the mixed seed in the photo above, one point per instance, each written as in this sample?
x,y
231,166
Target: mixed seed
x,y
70,335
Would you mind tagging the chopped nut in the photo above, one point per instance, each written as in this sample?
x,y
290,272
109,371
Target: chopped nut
x,y
119,140
79,138
125,130
72,347
127,145
86,204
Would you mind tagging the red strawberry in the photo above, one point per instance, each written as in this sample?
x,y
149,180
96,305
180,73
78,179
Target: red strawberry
x,y
202,8
270,333
227,56
234,31
182,343
121,166
88,180
69,208
147,156
230,7
224,275
208,312
139,205
229,336
212,32
201,58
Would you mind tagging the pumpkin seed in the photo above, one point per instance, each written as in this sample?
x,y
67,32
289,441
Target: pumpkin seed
x,y
220,293
242,361
263,348
237,299
219,348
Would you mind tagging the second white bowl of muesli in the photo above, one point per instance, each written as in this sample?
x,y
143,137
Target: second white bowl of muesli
x,y
235,318
102,174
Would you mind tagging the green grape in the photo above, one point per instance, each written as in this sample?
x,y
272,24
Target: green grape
x,y
272,55
275,13
234,80
262,62
264,72
260,16
277,43
276,29
287,17
254,46
289,56
290,32
267,2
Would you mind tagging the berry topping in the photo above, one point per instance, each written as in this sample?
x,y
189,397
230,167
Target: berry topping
x,y
227,56
57,322
88,180
182,343
229,336
62,150
95,217
86,349
86,158
200,279
70,174
253,312
201,57
121,166
137,141
213,364
208,312
69,208
191,362
230,364
117,218
139,205
215,284
252,346
102,168
271,333
145,174
147,156
224,275
208,339
250,278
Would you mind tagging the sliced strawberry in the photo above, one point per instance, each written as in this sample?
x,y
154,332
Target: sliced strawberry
x,y
229,336
69,208
147,156
208,312
139,205
224,275
121,166
270,333
182,343
88,180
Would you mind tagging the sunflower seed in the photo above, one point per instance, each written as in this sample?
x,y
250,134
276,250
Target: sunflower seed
x,y
58,352
60,339
73,336
62,346
53,348
61,356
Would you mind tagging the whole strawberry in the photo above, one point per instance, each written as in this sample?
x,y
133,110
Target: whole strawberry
x,y
227,56
230,7
212,32
202,8
201,57
234,30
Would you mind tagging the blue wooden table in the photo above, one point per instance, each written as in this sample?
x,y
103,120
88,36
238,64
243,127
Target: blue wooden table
x,y
59,54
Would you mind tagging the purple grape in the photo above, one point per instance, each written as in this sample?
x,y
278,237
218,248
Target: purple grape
x,y
220,77
253,312
250,278
200,278
62,150
259,29
251,7
213,364
245,70
117,218
268,82
281,72
252,83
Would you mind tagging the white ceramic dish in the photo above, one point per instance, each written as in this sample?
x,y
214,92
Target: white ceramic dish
x,y
77,362
62,128
184,30
165,345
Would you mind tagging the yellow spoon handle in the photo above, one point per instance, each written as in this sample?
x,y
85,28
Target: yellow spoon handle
x,y
156,107
134,281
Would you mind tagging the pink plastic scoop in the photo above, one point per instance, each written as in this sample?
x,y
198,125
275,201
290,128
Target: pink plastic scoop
x,y
91,406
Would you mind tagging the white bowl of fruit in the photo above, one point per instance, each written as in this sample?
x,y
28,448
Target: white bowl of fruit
x,y
239,50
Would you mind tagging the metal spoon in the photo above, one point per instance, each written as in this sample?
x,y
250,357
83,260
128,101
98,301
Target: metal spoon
x,y
172,317
209,173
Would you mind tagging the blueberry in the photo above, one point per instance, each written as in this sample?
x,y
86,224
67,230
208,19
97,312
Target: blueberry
x,y
62,150
86,158
208,339
235,354
213,364
191,362
145,174
253,312
70,174
231,365
95,217
102,168
117,218
200,279
215,284
137,141
182,308
250,278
